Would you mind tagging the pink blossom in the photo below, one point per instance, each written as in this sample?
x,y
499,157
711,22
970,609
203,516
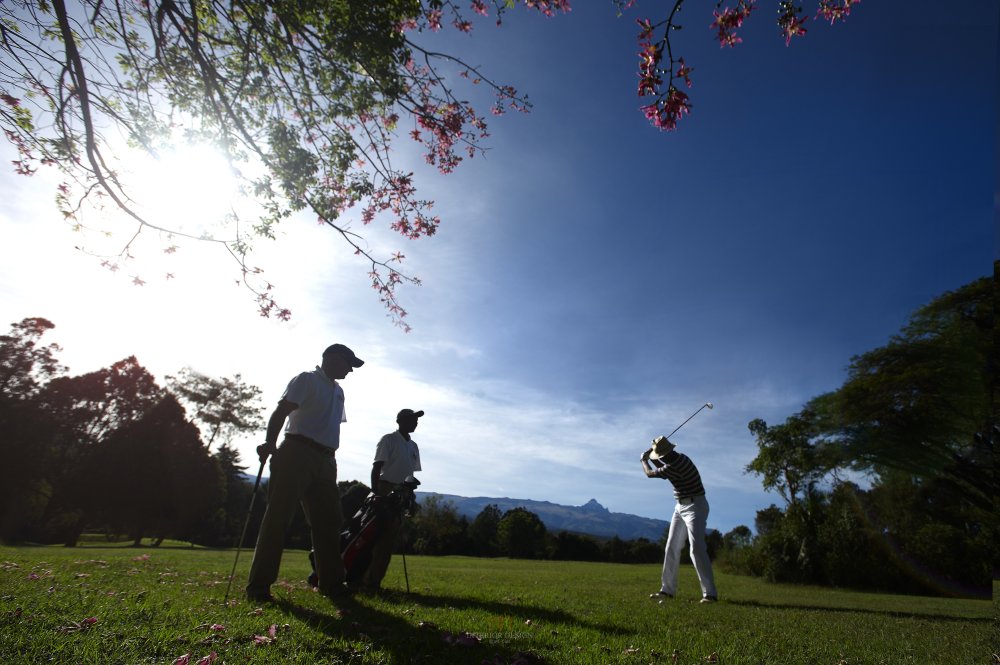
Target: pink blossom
x,y
665,113
548,7
479,7
729,20
834,10
217,627
434,19
684,72
788,20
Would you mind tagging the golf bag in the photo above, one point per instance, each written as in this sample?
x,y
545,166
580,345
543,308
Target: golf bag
x,y
367,527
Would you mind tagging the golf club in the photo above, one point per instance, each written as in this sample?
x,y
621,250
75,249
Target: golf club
x,y
243,534
708,404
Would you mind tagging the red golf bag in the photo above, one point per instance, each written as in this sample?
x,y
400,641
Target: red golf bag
x,y
367,527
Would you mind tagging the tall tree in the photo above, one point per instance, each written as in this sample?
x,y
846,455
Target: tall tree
x,y
25,366
924,403
82,411
153,477
789,459
521,534
483,530
222,408
437,528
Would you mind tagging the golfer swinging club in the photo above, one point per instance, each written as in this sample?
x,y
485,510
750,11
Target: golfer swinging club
x,y
689,520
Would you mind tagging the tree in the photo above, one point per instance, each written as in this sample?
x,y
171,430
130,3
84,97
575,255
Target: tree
x,y
924,402
153,477
737,537
916,415
226,406
304,99
236,497
437,528
25,366
521,534
788,457
483,531
82,411
568,546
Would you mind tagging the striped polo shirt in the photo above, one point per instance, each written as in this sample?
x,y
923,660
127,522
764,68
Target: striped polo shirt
x,y
683,475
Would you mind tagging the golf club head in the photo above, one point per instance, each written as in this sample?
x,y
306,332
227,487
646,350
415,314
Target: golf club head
x,y
709,405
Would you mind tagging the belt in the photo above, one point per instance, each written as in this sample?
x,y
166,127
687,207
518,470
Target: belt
x,y
688,499
315,445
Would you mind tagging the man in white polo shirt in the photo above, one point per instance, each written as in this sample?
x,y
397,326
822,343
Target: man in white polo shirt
x,y
396,457
304,471
689,520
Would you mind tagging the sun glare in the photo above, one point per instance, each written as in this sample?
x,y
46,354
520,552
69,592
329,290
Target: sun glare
x,y
188,189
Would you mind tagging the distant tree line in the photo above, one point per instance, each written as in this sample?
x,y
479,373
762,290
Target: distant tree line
x,y
113,452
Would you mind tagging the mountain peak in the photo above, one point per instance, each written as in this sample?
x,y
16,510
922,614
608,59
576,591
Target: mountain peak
x,y
594,507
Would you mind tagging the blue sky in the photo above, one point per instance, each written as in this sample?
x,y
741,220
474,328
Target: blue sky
x,y
595,280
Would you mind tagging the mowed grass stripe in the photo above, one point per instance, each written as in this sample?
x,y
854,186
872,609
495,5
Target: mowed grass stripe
x,y
155,605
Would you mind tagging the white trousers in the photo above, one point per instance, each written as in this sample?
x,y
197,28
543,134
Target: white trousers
x,y
689,522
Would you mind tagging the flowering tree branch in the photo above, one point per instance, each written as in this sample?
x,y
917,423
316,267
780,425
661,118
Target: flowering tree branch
x,y
308,94
659,77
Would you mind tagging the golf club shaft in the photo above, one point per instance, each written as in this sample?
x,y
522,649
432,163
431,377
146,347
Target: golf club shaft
x,y
689,418
402,550
243,534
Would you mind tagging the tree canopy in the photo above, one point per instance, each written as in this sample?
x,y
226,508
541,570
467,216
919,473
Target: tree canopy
x,y
305,100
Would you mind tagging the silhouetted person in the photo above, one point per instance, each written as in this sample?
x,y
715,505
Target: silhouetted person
x,y
396,457
304,471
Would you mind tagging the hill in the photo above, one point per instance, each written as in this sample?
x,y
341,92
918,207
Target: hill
x,y
591,518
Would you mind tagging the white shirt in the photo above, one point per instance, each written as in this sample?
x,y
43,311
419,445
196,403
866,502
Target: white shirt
x,y
400,458
321,407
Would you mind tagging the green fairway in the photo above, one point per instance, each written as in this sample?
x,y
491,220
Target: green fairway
x,y
124,605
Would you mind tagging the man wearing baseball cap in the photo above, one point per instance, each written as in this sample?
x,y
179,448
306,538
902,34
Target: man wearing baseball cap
x,y
396,457
689,520
304,471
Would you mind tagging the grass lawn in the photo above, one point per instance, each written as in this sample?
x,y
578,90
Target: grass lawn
x,y
113,604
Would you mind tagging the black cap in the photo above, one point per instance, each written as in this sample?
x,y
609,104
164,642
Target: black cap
x,y
341,350
407,413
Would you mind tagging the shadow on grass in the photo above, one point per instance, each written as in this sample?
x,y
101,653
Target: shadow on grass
x,y
366,628
859,610
505,609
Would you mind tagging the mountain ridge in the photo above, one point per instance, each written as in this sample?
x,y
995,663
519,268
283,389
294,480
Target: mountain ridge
x,y
591,518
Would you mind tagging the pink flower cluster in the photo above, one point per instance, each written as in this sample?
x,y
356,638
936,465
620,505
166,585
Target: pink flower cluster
x,y
548,7
835,10
729,20
790,22
666,112
650,55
